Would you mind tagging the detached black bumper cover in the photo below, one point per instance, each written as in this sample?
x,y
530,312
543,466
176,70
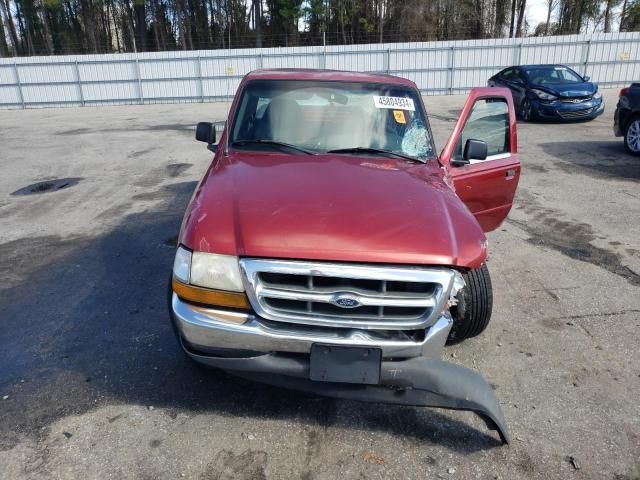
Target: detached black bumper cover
x,y
420,381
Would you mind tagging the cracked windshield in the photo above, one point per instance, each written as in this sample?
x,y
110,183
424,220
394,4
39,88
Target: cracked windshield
x,y
319,117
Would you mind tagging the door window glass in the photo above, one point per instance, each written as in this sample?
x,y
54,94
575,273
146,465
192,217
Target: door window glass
x,y
489,122
509,75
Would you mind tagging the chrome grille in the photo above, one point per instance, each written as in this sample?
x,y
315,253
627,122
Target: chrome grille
x,y
575,113
379,297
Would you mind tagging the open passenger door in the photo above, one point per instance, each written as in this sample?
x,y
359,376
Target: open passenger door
x,y
481,156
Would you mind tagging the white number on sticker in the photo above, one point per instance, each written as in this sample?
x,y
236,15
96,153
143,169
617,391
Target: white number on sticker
x,y
395,103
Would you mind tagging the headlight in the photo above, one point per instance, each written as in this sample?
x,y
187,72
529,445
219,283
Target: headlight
x,y
209,279
182,265
221,272
542,95
597,96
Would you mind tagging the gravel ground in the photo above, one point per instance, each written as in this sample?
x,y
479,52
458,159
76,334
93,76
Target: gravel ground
x,y
94,386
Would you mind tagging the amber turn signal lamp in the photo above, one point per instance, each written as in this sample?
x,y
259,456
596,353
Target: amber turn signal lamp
x,y
207,296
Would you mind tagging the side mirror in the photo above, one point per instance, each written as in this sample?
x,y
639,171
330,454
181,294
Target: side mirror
x,y
206,132
475,150
586,78
459,162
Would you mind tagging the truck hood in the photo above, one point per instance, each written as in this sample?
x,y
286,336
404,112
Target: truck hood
x,y
331,207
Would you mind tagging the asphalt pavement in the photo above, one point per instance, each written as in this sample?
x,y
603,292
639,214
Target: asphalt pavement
x,y
93,384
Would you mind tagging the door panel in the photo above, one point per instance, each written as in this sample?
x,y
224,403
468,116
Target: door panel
x,y
513,81
517,91
487,187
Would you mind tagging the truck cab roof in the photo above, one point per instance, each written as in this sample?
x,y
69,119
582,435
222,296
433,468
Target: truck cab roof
x,y
326,75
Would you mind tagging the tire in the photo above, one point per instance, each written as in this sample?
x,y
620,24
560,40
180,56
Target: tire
x,y
526,111
475,303
632,136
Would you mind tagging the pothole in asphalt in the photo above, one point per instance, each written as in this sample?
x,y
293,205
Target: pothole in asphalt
x,y
47,186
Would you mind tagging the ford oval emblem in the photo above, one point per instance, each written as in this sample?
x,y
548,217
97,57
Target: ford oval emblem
x,y
345,300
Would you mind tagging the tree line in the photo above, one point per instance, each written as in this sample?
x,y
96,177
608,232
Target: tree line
x,y
52,27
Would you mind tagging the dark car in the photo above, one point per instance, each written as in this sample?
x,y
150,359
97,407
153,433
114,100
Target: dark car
x,y
552,92
626,120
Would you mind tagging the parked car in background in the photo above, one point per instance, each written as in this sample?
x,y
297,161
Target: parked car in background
x,y
552,92
626,119
329,248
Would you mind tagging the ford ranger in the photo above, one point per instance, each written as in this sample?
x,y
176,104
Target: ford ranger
x,y
329,248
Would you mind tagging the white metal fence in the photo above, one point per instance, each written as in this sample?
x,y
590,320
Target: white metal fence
x,y
210,75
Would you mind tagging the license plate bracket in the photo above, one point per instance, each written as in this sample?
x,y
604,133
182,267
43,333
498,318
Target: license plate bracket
x,y
337,363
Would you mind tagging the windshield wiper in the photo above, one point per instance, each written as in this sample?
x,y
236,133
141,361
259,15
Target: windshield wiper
x,y
273,143
377,151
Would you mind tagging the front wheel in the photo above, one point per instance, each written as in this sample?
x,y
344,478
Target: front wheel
x,y
632,136
526,111
475,302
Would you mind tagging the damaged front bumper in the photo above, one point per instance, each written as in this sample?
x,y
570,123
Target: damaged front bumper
x,y
409,373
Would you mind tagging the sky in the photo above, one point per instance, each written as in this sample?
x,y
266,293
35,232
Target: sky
x,y
536,12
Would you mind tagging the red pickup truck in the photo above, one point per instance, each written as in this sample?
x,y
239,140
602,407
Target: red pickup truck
x,y
329,248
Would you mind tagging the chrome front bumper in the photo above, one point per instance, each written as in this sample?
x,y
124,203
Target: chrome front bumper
x,y
410,372
207,329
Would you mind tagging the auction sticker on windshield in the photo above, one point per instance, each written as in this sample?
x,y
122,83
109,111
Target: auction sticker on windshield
x,y
399,116
395,103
